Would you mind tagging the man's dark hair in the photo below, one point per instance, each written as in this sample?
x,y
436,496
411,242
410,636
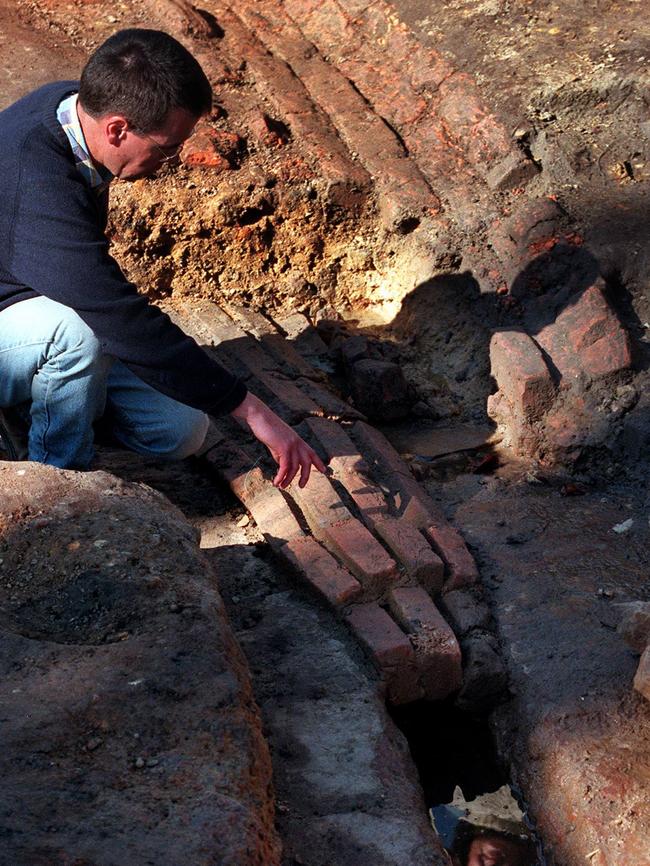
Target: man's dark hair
x,y
143,74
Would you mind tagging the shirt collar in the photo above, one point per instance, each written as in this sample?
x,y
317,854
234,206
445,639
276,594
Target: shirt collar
x,y
97,176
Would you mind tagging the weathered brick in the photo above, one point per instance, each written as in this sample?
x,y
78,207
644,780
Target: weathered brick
x,y
412,551
303,335
321,571
320,502
586,337
284,352
350,469
292,104
266,131
390,650
202,150
436,648
521,374
411,502
250,320
274,517
362,553
379,389
266,503
484,674
510,171
328,402
454,553
465,611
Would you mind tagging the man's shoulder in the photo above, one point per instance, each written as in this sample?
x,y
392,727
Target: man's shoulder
x,y
39,106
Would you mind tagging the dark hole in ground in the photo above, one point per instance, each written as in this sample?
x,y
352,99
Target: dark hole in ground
x,y
449,748
455,750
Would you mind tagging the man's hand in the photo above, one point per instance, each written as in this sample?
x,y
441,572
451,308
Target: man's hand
x,y
288,450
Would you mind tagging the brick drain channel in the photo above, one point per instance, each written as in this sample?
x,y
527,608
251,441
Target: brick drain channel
x,y
371,543
466,787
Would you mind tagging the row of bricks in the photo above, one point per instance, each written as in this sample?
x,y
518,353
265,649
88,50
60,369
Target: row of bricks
x,y
292,398
415,650
328,516
402,190
364,570
347,182
437,110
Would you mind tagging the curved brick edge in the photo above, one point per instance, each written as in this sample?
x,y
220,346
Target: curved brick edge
x,y
366,539
379,117
126,702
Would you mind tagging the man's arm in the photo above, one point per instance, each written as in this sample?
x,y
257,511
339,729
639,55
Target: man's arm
x,y
289,451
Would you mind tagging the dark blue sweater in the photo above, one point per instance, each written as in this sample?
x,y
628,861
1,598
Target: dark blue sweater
x,y
52,243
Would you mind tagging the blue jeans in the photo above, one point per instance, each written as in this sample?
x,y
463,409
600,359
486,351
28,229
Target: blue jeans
x,y
50,358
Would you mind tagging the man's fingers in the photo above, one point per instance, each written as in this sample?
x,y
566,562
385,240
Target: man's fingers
x,y
318,463
283,465
305,470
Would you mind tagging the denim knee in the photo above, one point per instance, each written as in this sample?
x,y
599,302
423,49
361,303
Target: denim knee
x,y
188,437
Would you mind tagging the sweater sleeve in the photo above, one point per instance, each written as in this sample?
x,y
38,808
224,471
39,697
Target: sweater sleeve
x,y
59,249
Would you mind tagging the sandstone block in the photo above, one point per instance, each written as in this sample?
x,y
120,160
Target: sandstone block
x,y
436,648
390,650
321,571
521,374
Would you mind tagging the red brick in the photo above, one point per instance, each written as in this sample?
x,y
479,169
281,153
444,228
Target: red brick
x,y
266,503
411,502
412,551
350,469
454,553
362,553
320,502
522,374
586,337
321,571
436,648
201,149
284,352
243,353
292,104
266,132
323,22
328,402
274,517
390,650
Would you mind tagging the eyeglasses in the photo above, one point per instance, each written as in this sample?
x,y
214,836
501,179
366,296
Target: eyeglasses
x,y
168,153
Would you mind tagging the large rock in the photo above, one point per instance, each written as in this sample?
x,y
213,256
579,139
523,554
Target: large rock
x,y
128,726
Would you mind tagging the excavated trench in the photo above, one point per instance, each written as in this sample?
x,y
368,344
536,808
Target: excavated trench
x,y
448,275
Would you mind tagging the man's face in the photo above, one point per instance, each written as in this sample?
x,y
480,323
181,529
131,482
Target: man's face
x,y
141,154
495,851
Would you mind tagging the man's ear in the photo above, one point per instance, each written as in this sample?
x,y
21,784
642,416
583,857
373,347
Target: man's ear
x,y
115,129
